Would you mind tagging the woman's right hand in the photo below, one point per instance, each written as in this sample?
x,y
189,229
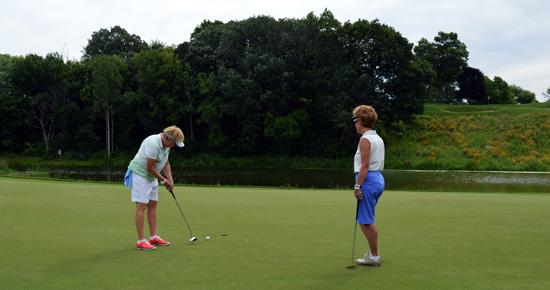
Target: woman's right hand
x,y
358,194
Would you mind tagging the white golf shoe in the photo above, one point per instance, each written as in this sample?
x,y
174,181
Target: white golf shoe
x,y
369,260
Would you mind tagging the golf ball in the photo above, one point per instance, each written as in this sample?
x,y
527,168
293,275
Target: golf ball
x,y
207,238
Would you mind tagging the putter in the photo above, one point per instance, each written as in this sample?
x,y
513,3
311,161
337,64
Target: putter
x,y
192,238
353,265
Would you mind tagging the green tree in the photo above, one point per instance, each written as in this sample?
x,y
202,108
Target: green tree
x,y
12,112
107,71
163,88
522,96
498,91
254,84
321,68
114,41
200,59
6,62
385,73
76,124
448,56
200,53
472,86
188,91
39,82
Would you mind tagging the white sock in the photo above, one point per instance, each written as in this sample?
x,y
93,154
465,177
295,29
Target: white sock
x,y
153,237
139,241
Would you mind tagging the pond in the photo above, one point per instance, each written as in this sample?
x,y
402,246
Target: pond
x,y
477,181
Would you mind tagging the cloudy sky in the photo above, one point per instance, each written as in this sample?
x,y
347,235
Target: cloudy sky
x,y
506,38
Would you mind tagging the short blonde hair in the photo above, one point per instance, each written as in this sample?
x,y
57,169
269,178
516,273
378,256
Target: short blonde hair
x,y
366,114
174,133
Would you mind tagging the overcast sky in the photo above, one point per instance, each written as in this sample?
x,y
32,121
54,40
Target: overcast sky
x,y
506,38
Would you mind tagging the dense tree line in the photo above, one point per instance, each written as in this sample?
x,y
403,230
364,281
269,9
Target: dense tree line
x,y
453,81
256,86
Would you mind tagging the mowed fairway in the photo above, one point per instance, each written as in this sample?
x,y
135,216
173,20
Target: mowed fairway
x,y
72,235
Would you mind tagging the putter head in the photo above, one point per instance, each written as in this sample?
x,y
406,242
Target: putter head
x,y
193,239
351,267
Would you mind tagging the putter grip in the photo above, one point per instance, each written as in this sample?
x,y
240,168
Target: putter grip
x,y
357,210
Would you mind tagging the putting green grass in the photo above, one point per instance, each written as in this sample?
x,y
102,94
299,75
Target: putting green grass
x,y
72,235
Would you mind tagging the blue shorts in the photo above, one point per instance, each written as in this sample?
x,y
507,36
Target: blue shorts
x,y
372,189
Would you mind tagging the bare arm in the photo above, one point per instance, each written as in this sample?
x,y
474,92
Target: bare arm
x,y
152,169
167,170
364,148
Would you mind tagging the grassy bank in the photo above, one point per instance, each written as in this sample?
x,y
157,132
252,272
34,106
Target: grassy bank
x,y
67,235
493,137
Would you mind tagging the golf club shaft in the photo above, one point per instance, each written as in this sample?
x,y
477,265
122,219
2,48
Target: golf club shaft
x,y
354,233
185,219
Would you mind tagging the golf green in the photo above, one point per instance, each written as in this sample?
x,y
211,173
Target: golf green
x,y
75,235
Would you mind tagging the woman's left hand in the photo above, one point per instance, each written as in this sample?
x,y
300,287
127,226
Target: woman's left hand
x,y
169,185
358,194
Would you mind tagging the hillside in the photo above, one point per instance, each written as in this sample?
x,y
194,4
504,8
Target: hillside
x,y
491,137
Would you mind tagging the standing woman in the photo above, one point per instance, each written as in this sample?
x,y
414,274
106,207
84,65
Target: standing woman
x,y
369,182
143,176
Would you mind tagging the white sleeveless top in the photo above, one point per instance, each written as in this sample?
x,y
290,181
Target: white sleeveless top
x,y
376,162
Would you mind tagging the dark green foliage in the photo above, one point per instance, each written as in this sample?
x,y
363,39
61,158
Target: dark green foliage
x,y
289,86
38,84
107,71
115,41
498,91
12,114
162,88
472,86
448,57
76,124
384,72
522,96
